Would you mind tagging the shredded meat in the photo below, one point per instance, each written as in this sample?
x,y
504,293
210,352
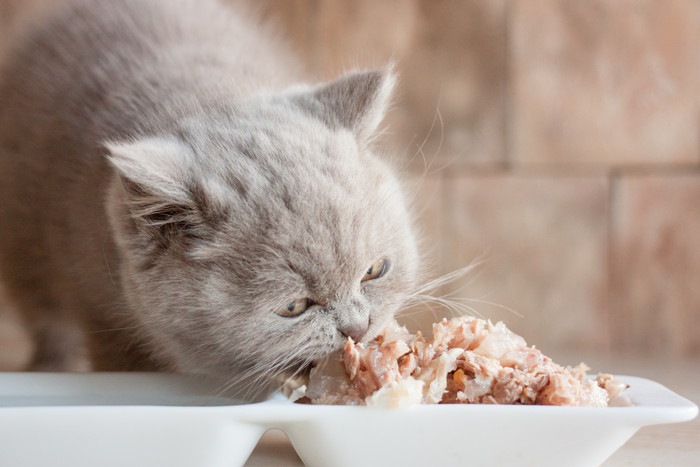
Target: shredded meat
x,y
468,361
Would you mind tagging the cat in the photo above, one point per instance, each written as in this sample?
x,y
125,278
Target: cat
x,y
174,192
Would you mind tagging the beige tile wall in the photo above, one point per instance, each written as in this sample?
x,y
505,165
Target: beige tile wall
x,y
655,262
604,82
564,145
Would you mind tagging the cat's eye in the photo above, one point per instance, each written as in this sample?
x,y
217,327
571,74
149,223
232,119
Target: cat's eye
x,y
295,308
376,270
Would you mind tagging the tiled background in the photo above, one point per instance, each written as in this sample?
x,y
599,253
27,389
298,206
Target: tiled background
x,y
562,143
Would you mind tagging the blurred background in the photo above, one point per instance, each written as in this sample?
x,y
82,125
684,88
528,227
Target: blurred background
x,y
556,141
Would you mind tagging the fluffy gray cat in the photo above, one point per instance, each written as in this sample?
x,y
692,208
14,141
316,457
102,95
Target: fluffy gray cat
x,y
169,185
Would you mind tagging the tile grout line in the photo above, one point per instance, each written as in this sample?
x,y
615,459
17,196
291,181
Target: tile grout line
x,y
567,171
508,88
613,177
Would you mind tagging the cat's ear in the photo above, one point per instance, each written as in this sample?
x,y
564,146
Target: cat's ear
x,y
154,175
357,101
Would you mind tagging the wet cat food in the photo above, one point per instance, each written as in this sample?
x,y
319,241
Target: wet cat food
x,y
467,361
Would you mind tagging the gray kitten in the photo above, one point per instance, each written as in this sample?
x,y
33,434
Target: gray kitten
x,y
167,185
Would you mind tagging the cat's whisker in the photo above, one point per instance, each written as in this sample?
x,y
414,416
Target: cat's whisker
x,y
437,117
423,300
254,386
421,304
427,164
233,382
449,277
266,377
255,378
242,376
497,305
454,155
455,308
277,366
418,151
452,295
461,308
463,285
439,147
411,200
414,314
305,364
126,328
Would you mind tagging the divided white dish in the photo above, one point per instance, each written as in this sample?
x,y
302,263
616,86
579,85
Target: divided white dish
x,y
153,420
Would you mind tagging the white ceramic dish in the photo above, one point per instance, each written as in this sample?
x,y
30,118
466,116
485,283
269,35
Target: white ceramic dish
x,y
150,420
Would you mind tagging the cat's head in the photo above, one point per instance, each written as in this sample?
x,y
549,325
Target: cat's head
x,y
264,233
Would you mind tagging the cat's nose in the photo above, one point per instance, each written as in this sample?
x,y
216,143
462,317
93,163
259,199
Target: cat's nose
x,y
355,330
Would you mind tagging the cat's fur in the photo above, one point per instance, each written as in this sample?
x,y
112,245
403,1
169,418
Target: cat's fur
x,y
167,184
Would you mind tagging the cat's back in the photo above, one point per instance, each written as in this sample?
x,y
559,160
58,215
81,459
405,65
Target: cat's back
x,y
106,66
